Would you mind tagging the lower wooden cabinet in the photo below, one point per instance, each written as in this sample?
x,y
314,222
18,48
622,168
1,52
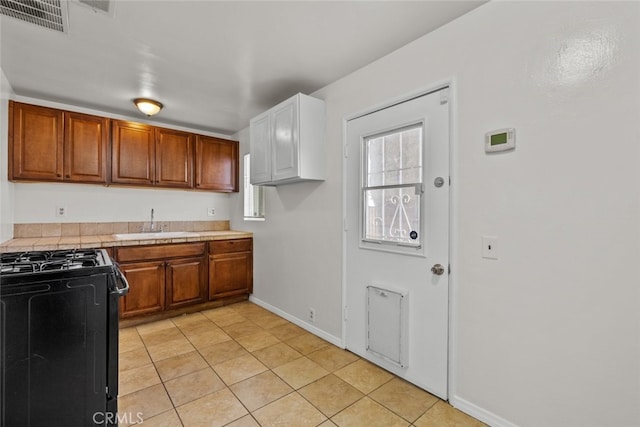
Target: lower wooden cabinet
x,y
186,282
162,277
230,268
168,277
146,288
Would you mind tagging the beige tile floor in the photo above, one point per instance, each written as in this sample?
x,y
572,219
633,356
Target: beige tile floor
x,y
241,365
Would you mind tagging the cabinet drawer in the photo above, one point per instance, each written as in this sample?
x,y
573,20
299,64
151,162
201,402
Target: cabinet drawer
x,y
217,247
138,253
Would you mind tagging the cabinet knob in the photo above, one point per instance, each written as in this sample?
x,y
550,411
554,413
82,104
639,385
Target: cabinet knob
x,y
58,175
67,176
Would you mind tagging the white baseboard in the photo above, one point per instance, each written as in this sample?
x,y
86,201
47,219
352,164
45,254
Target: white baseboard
x,y
479,413
304,325
463,405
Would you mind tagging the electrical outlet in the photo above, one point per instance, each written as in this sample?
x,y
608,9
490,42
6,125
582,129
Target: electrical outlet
x,y
211,211
61,211
312,315
490,247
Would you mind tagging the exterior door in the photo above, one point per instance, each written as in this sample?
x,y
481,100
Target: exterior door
x,y
397,239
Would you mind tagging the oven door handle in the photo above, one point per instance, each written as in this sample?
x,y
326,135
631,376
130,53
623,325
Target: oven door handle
x,y
123,280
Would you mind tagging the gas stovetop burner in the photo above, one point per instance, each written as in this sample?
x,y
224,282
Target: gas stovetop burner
x,y
68,264
74,254
35,261
17,267
23,257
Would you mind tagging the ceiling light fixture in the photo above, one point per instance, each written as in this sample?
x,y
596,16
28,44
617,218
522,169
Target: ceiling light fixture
x,y
148,106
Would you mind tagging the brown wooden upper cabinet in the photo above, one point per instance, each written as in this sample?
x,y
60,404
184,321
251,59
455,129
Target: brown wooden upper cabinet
x,y
148,155
216,164
174,158
47,144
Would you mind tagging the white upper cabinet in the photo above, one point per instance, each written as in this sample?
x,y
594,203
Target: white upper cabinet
x,y
260,149
287,142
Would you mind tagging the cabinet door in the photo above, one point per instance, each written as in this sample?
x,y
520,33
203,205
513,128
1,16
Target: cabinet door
x,y
146,288
133,153
86,143
186,282
217,164
230,274
174,158
35,142
260,149
284,141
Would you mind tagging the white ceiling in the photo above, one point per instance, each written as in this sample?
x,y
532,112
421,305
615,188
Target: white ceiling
x,y
213,64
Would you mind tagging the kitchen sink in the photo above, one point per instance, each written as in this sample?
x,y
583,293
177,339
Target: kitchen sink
x,y
158,235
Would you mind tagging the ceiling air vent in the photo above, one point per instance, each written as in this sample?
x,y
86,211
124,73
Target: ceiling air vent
x,y
50,14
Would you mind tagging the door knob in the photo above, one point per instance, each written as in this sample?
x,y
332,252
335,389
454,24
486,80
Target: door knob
x,y
437,269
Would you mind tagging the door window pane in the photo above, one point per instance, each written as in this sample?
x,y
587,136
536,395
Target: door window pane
x,y
393,215
394,158
392,187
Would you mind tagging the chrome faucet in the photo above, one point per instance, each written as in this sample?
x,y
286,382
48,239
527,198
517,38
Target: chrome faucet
x,y
152,227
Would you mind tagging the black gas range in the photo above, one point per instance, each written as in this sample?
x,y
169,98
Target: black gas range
x,y
59,338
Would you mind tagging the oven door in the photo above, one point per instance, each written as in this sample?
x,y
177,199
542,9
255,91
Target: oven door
x,y
54,351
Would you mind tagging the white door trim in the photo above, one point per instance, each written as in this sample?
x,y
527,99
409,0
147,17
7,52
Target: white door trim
x,y
453,213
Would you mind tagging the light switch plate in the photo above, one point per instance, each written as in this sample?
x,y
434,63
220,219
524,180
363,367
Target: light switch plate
x,y
490,247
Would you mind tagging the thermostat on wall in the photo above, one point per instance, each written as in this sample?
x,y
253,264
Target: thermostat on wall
x,y
500,140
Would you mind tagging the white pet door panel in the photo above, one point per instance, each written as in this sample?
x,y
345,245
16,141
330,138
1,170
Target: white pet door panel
x,y
387,315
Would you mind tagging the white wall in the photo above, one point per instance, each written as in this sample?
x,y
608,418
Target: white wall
x,y
37,202
6,187
549,334
297,261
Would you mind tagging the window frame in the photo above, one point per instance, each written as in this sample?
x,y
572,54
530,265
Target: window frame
x,y
419,188
252,194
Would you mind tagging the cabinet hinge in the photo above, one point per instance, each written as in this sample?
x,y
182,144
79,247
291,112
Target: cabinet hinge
x,y
346,151
345,314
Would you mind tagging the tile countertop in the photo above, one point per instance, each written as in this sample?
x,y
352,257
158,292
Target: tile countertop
x,y
109,240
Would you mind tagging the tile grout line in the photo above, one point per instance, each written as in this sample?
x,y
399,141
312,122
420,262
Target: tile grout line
x,y
269,369
243,314
228,386
174,408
